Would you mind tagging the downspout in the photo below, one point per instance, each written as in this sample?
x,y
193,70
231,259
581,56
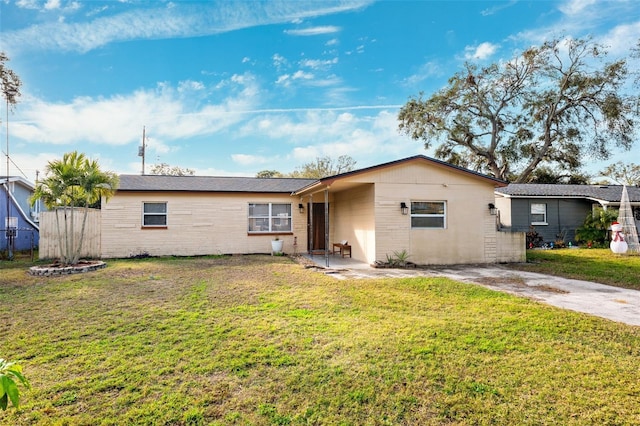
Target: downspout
x,y
23,214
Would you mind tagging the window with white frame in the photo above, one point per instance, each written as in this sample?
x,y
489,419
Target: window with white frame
x,y
429,214
269,217
154,214
538,214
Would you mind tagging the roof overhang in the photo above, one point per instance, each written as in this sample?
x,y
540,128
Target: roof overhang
x,y
340,182
18,179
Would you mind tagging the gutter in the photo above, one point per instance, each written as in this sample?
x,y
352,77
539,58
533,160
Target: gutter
x,y
17,206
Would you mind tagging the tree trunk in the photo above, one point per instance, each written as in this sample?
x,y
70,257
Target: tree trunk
x,y
76,255
59,232
68,222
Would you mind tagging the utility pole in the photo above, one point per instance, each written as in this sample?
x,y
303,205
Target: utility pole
x,y
10,86
141,149
38,200
9,231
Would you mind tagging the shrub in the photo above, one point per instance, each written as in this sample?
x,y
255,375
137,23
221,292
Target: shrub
x,y
399,259
533,238
595,227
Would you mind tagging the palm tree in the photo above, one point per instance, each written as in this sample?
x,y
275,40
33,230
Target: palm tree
x,y
74,181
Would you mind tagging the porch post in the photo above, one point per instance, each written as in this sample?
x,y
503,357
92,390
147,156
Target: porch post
x,y
310,226
326,226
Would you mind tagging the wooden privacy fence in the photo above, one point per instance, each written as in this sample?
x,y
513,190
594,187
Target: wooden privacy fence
x,y
49,241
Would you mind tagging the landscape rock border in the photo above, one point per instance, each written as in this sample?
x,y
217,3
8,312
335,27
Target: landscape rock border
x,y
57,270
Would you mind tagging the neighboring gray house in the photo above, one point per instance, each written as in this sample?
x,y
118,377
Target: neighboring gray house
x,y
557,210
22,225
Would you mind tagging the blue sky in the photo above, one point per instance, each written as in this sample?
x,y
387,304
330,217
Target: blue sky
x,y
235,87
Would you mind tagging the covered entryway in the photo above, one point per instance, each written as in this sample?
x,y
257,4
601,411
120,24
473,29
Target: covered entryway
x,y
316,229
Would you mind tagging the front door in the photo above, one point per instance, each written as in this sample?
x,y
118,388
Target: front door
x,y
315,227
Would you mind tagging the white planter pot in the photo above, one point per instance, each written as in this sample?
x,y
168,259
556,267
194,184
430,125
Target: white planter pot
x,y
276,246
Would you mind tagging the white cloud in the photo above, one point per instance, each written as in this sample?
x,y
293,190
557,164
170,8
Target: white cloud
x,y
182,20
48,6
279,61
367,133
427,70
169,112
28,4
52,4
584,19
284,80
332,80
190,85
621,38
313,31
336,95
97,10
301,75
368,139
30,163
318,63
249,159
497,7
574,7
481,51
326,128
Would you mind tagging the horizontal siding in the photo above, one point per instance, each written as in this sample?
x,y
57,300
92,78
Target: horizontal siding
x,y
564,216
469,236
197,224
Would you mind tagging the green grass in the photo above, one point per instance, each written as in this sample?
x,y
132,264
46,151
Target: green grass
x,y
598,265
260,340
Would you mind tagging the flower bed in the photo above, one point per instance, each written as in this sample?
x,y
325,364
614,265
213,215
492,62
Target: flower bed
x,y
58,269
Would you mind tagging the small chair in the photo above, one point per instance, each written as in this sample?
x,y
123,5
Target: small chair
x,y
343,247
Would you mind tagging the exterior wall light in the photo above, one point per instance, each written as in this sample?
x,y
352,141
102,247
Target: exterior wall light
x,y
301,207
492,209
403,208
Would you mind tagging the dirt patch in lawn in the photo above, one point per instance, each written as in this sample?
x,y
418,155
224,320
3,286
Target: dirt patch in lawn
x,y
515,283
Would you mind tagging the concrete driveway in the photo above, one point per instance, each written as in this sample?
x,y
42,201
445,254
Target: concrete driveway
x,y
617,304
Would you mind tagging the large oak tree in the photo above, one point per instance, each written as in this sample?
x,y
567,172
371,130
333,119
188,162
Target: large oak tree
x,y
166,169
320,168
623,173
324,166
553,105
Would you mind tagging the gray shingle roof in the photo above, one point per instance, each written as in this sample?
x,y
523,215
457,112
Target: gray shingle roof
x,y
210,184
610,193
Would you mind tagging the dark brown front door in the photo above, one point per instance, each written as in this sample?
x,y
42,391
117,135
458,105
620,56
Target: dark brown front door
x,y
316,231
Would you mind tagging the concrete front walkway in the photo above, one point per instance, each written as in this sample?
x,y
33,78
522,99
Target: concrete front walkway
x,y
616,304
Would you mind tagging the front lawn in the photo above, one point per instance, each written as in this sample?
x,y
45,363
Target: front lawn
x,y
260,340
597,265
